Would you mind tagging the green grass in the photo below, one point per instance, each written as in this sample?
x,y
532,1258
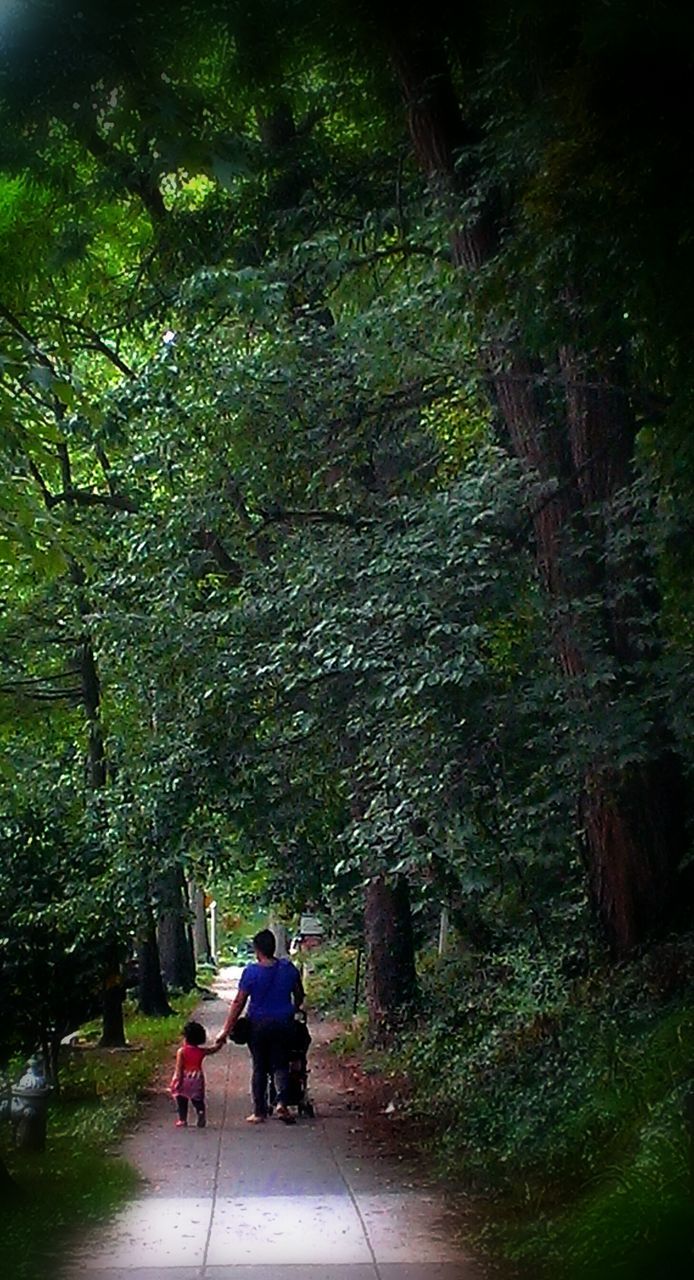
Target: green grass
x,y
78,1180
205,976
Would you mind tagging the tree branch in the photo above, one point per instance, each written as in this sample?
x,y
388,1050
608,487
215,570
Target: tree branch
x,y
79,497
87,498
343,518
45,492
206,540
19,328
105,465
148,192
94,342
38,689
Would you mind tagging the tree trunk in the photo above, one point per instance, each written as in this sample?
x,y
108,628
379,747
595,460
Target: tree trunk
x,y
633,823
113,994
188,917
152,992
174,950
201,937
632,846
112,1027
634,819
91,701
391,980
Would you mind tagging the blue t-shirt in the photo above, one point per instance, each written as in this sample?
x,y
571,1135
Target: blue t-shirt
x,y
270,988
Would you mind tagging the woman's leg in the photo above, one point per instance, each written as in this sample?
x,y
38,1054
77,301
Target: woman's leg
x,y
259,1046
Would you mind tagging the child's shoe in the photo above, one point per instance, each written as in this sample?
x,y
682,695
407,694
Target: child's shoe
x,y
181,1124
202,1121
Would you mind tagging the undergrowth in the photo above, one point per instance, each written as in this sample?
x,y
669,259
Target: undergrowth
x,y
556,1089
79,1180
560,1098
329,975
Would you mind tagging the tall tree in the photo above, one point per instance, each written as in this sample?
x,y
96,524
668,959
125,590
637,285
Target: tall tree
x,y
633,816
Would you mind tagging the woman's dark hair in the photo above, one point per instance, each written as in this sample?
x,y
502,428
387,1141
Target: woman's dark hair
x,y
264,942
194,1033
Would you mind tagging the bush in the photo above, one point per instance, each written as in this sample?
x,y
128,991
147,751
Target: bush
x,y
329,977
560,1095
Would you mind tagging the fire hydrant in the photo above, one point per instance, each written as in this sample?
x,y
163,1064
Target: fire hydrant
x,y
29,1107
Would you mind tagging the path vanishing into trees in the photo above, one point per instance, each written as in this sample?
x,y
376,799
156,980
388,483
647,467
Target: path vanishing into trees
x,y
226,1201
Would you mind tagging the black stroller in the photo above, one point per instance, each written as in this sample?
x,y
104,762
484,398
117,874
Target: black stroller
x,y
298,1095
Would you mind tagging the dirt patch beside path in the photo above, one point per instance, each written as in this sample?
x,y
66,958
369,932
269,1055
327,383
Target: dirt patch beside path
x,y
377,1101
369,1121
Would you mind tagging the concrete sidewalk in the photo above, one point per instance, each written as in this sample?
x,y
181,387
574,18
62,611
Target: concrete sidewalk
x,y
233,1200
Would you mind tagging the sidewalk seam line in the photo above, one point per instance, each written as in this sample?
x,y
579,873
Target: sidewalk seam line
x,y
353,1198
217,1167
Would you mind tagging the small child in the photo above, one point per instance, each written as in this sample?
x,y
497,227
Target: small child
x,y
188,1083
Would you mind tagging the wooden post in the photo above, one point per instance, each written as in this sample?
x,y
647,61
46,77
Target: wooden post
x,y
443,932
357,980
213,931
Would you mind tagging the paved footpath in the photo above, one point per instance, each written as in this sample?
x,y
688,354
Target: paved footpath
x,y
246,1202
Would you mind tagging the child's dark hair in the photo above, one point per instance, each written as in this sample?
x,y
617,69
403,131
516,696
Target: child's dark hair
x,y
194,1033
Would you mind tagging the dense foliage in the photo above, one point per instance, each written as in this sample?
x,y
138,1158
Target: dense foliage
x,y
345,537
564,1097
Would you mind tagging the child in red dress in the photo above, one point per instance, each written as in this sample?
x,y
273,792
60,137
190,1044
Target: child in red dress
x,y
188,1083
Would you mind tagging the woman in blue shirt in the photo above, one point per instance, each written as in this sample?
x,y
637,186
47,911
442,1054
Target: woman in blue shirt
x,y
275,992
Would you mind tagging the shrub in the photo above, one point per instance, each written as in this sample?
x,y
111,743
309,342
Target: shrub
x,y
559,1093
